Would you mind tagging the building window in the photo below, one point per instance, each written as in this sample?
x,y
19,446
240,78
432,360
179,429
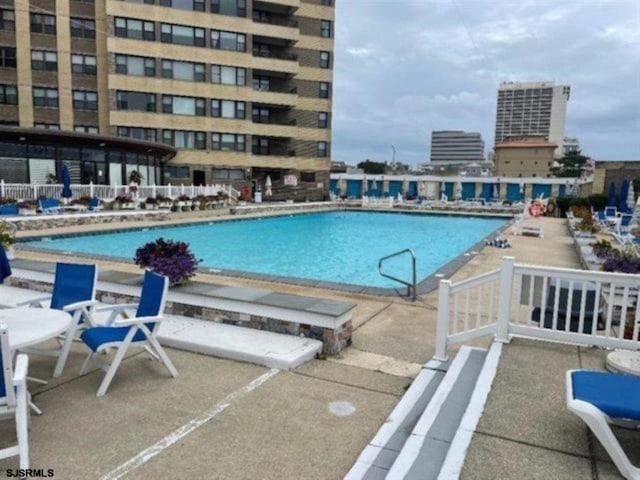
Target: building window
x,y
193,5
193,72
229,174
43,24
176,172
260,115
228,142
183,105
85,64
261,83
8,95
324,90
7,20
85,129
8,57
228,75
228,41
139,66
308,177
235,8
137,29
148,134
44,61
322,149
45,97
145,102
184,139
47,126
227,109
85,100
260,146
182,35
326,3
325,28
325,60
83,28
323,119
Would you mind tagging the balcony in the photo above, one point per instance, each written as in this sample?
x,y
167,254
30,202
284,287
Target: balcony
x,y
270,18
272,146
280,54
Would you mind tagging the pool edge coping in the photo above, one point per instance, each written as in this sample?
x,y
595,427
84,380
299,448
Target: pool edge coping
x,y
425,286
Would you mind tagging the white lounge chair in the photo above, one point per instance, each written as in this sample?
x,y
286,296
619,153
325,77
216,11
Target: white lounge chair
x,y
622,231
14,399
601,399
526,224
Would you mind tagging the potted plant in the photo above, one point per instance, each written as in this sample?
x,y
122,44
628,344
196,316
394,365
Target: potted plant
x,y
27,207
151,203
602,248
51,179
623,261
7,240
163,202
168,257
135,179
8,206
124,202
184,202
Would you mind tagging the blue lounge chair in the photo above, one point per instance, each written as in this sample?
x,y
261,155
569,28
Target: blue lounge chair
x,y
14,399
95,205
600,399
602,218
49,205
74,291
139,330
623,229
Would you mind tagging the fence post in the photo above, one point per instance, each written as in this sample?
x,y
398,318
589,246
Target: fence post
x,y
2,192
35,192
442,328
169,190
153,190
91,189
504,308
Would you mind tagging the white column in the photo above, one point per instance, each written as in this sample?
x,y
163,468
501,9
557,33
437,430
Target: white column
x,y
91,189
506,287
442,329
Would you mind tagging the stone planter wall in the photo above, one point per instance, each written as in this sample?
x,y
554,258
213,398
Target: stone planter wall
x,y
282,207
334,341
44,221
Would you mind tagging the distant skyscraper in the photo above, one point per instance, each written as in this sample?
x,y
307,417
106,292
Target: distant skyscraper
x,y
532,109
456,147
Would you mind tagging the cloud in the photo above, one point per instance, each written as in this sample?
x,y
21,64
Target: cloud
x,y
403,69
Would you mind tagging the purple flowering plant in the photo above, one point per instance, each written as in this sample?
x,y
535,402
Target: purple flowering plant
x,y
171,258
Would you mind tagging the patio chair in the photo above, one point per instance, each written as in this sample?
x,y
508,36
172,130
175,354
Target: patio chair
x,y
49,205
95,205
74,291
601,399
623,230
139,330
14,399
602,218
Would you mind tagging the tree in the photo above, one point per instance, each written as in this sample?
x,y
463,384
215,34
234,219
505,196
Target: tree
x,y
374,168
572,164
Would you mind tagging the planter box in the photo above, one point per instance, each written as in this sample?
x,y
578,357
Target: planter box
x,y
128,206
27,211
165,204
150,206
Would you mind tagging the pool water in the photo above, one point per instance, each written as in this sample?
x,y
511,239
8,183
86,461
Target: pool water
x,y
334,246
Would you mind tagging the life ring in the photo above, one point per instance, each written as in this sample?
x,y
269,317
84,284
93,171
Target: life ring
x,y
551,206
537,208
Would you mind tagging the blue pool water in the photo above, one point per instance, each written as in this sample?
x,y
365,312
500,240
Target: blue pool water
x,y
334,246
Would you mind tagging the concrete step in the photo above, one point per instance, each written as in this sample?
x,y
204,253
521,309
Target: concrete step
x,y
273,350
429,446
377,457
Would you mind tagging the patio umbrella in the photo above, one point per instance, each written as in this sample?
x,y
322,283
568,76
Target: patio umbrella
x,y
66,182
457,194
636,213
5,267
631,197
443,189
611,200
496,191
521,186
624,192
431,189
267,187
374,185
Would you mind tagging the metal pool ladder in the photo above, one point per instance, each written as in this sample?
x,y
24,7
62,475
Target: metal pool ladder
x,y
411,286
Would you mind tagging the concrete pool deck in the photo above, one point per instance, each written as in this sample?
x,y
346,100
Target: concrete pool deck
x,y
289,425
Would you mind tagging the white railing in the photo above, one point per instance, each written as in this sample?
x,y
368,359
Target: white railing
x,y
547,303
21,191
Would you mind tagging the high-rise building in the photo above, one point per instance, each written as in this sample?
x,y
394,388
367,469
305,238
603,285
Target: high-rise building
x,y
570,144
242,88
532,109
456,147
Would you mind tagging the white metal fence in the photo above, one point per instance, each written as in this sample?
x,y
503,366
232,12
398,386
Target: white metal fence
x,y
21,191
557,304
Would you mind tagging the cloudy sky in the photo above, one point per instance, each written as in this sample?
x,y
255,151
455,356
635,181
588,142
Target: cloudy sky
x,y
406,67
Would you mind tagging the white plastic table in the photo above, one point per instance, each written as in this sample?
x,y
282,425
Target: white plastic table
x,y
30,326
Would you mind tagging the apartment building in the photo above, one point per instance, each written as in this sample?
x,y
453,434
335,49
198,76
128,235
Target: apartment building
x,y
456,147
527,156
532,108
241,88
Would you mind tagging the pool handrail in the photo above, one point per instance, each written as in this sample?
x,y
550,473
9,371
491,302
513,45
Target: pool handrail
x,y
411,286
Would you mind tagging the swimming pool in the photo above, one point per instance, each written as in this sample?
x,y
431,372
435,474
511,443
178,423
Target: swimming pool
x,y
341,247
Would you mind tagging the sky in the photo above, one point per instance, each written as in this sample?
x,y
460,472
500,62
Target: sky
x,y
403,68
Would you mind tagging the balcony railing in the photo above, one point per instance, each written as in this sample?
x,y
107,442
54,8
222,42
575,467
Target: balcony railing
x,y
275,54
280,21
274,121
275,89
